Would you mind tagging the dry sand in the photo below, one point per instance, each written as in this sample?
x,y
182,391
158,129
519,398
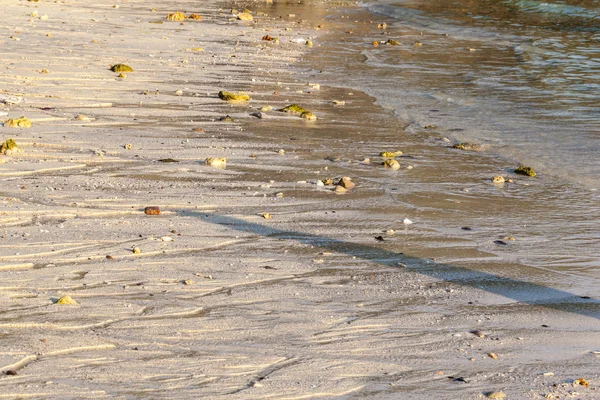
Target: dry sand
x,y
221,302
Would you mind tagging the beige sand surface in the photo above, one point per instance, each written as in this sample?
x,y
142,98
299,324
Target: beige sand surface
x,y
221,302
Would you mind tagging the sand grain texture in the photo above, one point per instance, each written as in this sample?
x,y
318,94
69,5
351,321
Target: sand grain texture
x,y
220,302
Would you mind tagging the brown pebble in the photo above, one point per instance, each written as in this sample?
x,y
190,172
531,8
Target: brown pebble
x,y
109,257
153,210
478,333
11,372
493,355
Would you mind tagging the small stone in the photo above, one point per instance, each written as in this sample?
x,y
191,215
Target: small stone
x,y
390,154
187,282
383,25
495,395
136,250
581,382
44,71
266,108
393,42
339,102
226,118
244,16
179,93
66,300
8,147
293,108
122,75
390,232
467,146
307,115
216,162
121,68
346,183
523,170
81,117
166,238
478,333
231,96
266,215
498,179
18,123
493,355
152,210
260,115
128,146
178,16
417,44
407,221
309,43
197,129
391,164
194,17
340,189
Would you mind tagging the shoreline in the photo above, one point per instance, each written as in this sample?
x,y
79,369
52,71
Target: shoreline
x,y
223,302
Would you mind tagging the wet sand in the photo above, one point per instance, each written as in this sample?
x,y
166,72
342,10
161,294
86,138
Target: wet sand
x,y
319,301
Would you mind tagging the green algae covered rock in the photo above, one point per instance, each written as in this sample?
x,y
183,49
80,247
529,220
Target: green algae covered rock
x,y
390,154
391,164
467,146
9,146
308,116
293,108
18,123
230,96
523,170
121,68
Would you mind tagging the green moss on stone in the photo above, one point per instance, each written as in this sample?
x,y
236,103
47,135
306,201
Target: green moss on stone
x,y
121,68
523,170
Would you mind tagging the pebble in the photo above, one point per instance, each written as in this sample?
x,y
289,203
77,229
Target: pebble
x,y
340,189
498,179
495,395
346,183
66,300
136,250
407,221
391,164
152,210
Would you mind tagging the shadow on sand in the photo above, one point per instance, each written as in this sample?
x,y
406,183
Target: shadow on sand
x,y
520,291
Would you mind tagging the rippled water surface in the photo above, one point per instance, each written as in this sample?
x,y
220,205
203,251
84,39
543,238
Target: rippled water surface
x,y
522,75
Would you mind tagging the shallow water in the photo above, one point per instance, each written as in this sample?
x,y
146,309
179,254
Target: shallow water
x,y
520,81
522,76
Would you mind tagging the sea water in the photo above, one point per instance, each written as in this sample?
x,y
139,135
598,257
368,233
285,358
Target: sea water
x,y
520,75
520,78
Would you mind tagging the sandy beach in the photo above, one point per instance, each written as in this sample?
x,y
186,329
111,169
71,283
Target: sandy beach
x,y
261,277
